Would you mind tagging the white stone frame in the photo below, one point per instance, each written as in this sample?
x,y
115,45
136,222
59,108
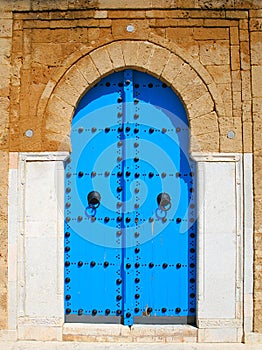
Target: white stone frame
x,y
224,306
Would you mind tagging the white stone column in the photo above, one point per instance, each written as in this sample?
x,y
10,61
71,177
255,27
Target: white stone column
x,y
220,247
40,246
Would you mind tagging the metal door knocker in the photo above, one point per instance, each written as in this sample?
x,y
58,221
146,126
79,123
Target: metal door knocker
x,y
164,201
93,199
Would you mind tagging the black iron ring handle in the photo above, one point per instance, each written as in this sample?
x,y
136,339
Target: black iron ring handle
x,y
93,199
164,201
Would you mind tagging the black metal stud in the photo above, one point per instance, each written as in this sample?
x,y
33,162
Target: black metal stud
x,y
128,265
136,116
94,312
127,82
163,310
119,189
192,280
128,129
106,219
68,311
164,219
178,129
120,129
163,175
136,310
151,265
137,280
178,310
79,218
151,130
68,205
93,218
149,310
106,264
136,234
151,219
67,234
93,263
192,310
192,295
107,129
128,219
107,311
80,174
118,233
137,250
136,205
119,204
192,235
119,297
80,263
178,265
120,84
68,175
80,312
118,312
128,173
120,143
119,100
136,144
107,173
68,297
164,130
191,173
136,131
150,85
119,114
108,84
68,190
67,219
137,296
128,314
136,86
93,174
164,265
136,159
67,248
136,100
136,190
192,250
67,280
192,265
119,219
67,263
118,281
80,130
150,175
119,174
93,129
178,220
137,265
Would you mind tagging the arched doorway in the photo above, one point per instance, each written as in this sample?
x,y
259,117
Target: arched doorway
x,y
130,216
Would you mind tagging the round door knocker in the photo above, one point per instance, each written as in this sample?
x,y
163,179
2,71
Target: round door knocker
x,y
93,199
164,201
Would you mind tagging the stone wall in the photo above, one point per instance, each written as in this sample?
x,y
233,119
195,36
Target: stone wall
x,y
211,51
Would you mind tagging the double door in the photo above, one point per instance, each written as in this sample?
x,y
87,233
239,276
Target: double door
x,y
130,222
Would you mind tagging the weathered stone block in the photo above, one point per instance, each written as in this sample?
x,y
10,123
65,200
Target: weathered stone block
x,y
102,61
116,55
211,33
256,48
214,52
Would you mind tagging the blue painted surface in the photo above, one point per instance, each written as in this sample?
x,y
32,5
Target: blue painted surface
x,y
130,143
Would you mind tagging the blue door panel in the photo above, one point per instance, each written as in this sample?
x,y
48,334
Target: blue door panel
x,y
130,257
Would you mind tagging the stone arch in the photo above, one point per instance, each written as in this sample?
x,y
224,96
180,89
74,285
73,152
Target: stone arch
x,y
61,97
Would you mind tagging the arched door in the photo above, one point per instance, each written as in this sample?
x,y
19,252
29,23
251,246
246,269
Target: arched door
x,y
130,216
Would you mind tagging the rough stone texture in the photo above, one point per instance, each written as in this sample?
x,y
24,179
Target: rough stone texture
x,y
210,52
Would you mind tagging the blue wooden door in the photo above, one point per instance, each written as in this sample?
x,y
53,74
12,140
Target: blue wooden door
x,y
130,216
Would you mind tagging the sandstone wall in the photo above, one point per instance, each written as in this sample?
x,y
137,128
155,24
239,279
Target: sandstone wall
x,y
220,41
